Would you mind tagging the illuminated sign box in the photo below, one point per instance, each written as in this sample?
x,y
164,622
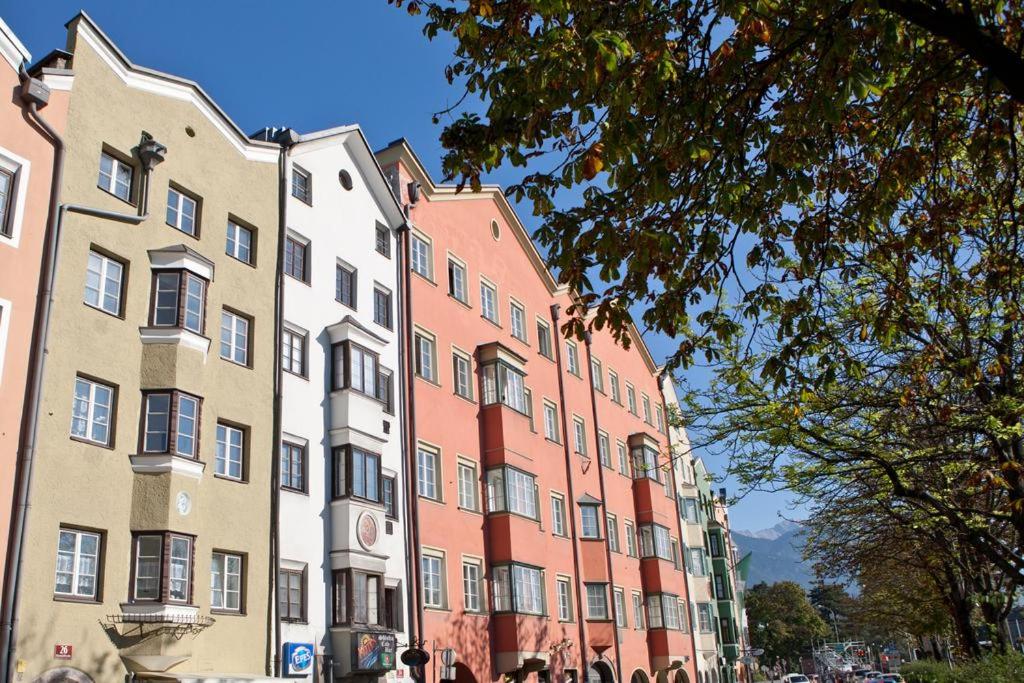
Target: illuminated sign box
x,y
298,659
373,651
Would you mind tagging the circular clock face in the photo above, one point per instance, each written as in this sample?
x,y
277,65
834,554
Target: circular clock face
x,y
184,503
366,529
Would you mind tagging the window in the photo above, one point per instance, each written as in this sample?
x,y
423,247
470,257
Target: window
x,y
163,567
518,588
357,474
422,256
393,608
557,515
234,338
705,617
563,591
630,539
623,458
383,240
645,463
604,449
613,533
517,321
528,398
659,419
472,584
425,356
78,564
550,421
631,397
489,301
104,279
697,564
691,511
226,582
92,411
511,490
116,177
6,201
598,374
296,256
358,598
620,608
355,368
467,485
390,504
675,553
181,212
382,306
457,280
385,389
462,375
638,611
302,185
663,611
230,450
613,383
239,243
179,300
428,473
572,357
293,352
590,527
171,423
293,466
646,402
345,285
715,545
504,384
597,600
291,599
544,338
655,542
579,436
433,577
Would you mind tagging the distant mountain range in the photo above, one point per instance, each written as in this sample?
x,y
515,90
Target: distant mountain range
x,y
776,554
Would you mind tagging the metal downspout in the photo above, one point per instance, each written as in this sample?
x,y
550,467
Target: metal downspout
x,y
571,503
600,481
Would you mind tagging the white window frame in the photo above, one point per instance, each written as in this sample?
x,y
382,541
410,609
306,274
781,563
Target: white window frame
x,y
457,265
630,531
462,386
579,435
550,410
224,591
558,515
90,412
612,533
105,265
572,357
631,399
416,238
563,598
489,304
595,611
289,336
542,323
597,371
228,453
431,555
234,325
77,556
590,527
436,484
20,170
517,324
619,596
233,236
112,185
623,455
473,587
422,336
613,385
468,479
638,611
177,209
604,449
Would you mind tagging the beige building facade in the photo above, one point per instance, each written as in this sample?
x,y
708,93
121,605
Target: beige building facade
x,y
150,518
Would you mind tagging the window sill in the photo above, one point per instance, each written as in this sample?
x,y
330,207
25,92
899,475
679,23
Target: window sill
x,y
119,315
235,258
159,611
295,374
228,612
167,463
194,235
299,280
473,511
118,197
71,598
464,304
493,322
300,492
429,280
429,381
467,399
233,480
591,538
175,335
90,442
247,366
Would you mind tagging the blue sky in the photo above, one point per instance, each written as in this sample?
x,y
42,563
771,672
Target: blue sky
x,y
307,65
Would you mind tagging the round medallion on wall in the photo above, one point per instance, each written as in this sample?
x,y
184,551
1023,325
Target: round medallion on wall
x,y
366,530
183,503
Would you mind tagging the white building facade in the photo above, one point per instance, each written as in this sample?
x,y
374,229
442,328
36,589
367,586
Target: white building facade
x,y
342,582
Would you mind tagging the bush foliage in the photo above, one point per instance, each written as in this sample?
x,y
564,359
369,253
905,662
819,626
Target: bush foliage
x,y
1007,668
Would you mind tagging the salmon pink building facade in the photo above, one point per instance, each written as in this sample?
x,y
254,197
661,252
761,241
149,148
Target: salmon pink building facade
x,y
546,527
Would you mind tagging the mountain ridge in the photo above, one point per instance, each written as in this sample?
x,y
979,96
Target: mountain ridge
x,y
777,554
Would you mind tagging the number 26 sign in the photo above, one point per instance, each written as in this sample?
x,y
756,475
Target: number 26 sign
x,y
62,651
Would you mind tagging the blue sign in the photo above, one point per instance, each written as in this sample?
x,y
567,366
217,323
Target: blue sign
x,y
298,658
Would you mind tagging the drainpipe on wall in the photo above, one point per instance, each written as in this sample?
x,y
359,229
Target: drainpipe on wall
x,y
571,503
600,481
151,153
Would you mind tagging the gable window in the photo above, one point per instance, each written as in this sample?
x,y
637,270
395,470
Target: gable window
x,y
234,338
504,384
296,259
645,463
518,588
293,466
239,243
104,280
302,185
572,357
613,533
422,259
472,585
557,515
163,567
78,564
457,281
116,177
382,306
511,490
655,542
630,531
517,321
597,373
92,411
230,451
590,527
489,301
6,201
357,474
613,383
382,240
293,352
462,375
182,211
432,574
428,472
604,449
579,436
390,504
171,423
345,285
226,582
550,421
425,349
358,598
597,601
179,300
467,485
291,599
563,590
544,338
631,397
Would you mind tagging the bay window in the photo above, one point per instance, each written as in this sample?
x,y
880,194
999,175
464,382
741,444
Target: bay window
x,y
504,384
655,542
590,527
597,601
645,463
511,490
171,423
179,300
358,598
663,611
518,588
357,474
162,567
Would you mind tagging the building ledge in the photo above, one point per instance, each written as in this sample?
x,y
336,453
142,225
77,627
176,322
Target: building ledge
x,y
159,612
166,463
175,335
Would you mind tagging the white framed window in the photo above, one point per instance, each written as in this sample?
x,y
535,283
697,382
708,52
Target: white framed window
x,y
432,575
623,458
572,357
655,542
579,435
613,533
489,301
517,320
630,531
604,454
550,421
557,514
116,176
293,352
428,472
457,280
598,374
645,401
613,385
631,398
691,512
7,195
104,280
563,593
511,490
422,259
78,562
472,585
597,601
462,374
659,419
503,383
92,411
181,211
467,479
590,526
425,348
230,451
226,582
620,608
638,611
234,338
518,588
239,242
697,563
544,338
705,617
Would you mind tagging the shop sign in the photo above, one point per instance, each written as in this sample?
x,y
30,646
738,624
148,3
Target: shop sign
x,y
298,658
373,651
